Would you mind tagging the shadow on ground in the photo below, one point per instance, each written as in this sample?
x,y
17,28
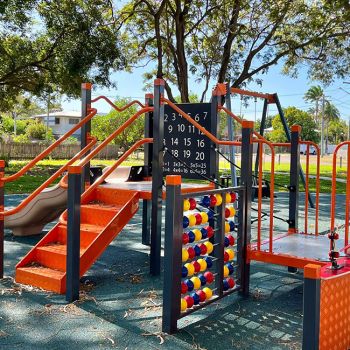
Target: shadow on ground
x,y
120,307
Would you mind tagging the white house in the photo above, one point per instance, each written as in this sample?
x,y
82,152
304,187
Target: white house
x,y
61,122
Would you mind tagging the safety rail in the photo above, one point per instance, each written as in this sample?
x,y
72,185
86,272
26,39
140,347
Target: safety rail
x,y
110,138
307,175
198,126
49,181
119,109
109,171
272,191
334,191
48,150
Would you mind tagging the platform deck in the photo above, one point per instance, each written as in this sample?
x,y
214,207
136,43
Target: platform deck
x,y
295,250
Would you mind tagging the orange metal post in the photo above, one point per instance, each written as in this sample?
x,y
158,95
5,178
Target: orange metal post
x,y
260,194
2,200
307,188
347,200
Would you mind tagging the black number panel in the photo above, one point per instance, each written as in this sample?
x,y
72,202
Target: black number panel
x,y
186,142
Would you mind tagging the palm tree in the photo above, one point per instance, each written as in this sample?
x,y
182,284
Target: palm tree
x,y
314,94
331,113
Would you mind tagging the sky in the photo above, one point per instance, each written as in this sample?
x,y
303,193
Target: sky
x,y
290,92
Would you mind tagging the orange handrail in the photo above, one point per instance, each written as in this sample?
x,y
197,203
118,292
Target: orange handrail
x,y
281,144
52,178
260,195
239,120
96,150
119,109
334,189
272,188
198,126
307,188
318,165
135,146
43,154
268,97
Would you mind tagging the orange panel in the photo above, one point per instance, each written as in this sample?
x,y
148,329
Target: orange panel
x,y
335,313
282,259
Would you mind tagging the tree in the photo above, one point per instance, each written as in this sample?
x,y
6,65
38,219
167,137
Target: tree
x,y
331,113
337,131
314,94
294,116
63,42
234,40
103,126
268,123
36,131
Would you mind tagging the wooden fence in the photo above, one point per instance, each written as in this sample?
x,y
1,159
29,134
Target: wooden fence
x,y
30,150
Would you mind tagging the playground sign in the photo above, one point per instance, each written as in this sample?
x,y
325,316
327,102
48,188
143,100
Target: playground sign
x,y
186,142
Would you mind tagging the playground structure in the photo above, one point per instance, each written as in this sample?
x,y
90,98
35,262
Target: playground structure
x,y
97,213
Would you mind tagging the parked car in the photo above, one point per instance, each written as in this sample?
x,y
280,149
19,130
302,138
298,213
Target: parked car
x,y
303,148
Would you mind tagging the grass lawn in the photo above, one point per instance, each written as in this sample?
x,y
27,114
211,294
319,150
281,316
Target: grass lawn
x,y
36,176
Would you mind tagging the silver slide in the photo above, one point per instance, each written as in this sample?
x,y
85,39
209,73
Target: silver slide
x,y
48,206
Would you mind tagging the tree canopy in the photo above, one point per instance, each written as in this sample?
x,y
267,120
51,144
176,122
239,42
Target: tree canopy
x,y
62,42
294,116
234,40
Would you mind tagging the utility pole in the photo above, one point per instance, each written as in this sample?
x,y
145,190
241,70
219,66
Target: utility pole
x,y
347,82
322,126
48,114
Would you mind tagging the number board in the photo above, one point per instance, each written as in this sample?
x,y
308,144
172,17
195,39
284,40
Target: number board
x,y
186,142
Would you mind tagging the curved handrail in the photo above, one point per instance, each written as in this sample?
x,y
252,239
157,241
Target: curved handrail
x,y
198,126
43,154
119,109
272,191
239,120
334,189
135,146
99,181
318,164
96,150
52,178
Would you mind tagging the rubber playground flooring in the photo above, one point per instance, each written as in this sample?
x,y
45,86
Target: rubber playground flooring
x,y
121,304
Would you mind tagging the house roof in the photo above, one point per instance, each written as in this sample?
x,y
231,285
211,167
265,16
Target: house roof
x,y
67,114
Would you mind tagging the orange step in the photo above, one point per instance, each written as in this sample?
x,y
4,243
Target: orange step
x,y
103,216
53,256
42,277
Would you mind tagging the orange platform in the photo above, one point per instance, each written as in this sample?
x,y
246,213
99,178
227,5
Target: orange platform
x,y
104,213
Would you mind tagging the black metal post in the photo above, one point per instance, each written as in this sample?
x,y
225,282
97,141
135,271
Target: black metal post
x,y
231,135
157,177
288,134
172,254
311,307
85,130
73,233
214,156
245,211
146,205
2,218
294,178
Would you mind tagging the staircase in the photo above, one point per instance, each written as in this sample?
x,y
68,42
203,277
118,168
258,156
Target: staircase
x,y
104,213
